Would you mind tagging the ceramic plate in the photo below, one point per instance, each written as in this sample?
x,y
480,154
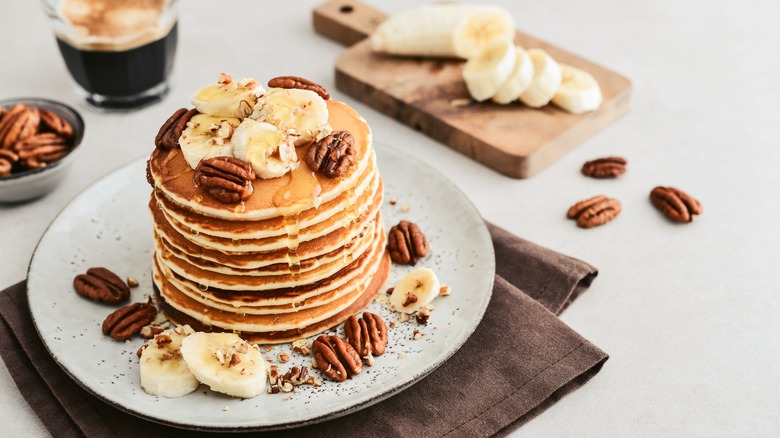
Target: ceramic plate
x,y
109,225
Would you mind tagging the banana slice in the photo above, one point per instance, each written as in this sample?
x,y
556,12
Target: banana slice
x,y
302,113
488,71
207,136
485,28
519,80
227,98
163,370
547,80
415,290
579,91
226,363
270,151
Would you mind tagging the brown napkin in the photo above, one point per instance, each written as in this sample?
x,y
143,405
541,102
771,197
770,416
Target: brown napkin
x,y
519,361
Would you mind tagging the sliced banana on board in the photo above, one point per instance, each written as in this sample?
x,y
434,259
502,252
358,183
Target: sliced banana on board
x,y
486,72
270,151
485,28
226,363
302,113
546,81
519,79
227,98
414,291
579,91
207,136
162,367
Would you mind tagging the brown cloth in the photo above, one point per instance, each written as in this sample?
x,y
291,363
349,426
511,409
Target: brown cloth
x,y
519,361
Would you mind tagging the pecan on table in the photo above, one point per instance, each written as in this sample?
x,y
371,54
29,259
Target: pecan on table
x,y
607,167
126,321
100,284
8,160
56,124
41,149
332,155
594,211
169,133
336,358
298,82
226,179
18,123
675,204
367,335
406,243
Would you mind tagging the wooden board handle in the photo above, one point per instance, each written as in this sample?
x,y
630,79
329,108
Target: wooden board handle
x,y
346,21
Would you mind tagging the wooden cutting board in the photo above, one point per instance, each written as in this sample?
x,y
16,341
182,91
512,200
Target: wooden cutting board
x,y
430,96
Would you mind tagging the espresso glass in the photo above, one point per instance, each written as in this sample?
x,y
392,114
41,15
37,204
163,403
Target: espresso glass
x,y
119,52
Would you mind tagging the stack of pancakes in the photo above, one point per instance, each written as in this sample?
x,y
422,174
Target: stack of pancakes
x,y
301,255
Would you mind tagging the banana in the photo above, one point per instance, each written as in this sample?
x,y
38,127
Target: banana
x,y
302,113
546,81
519,79
270,151
488,71
444,30
227,98
207,136
226,363
415,290
163,370
579,91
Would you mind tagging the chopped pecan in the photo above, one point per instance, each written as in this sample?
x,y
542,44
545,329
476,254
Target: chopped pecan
x,y
367,335
594,211
126,321
100,284
18,123
675,204
151,330
406,243
332,155
336,358
8,160
169,133
41,149
298,82
607,167
227,179
56,124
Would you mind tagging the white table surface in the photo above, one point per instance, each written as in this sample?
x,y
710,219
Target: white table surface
x,y
688,313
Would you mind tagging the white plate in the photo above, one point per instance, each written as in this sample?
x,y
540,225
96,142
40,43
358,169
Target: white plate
x,y
109,225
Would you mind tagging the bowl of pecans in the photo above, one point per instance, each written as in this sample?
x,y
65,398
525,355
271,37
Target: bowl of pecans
x,y
38,141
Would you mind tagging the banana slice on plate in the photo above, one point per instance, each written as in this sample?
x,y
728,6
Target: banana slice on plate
x,y
519,79
579,91
414,291
485,28
489,70
226,363
270,151
207,136
302,113
546,81
163,370
227,98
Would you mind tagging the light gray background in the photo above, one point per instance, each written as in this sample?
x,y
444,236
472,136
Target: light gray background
x,y
689,314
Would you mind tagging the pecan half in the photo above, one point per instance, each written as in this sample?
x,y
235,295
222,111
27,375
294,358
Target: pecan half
x,y
56,124
41,149
675,204
126,321
100,284
607,167
8,159
336,358
367,335
298,82
226,179
19,123
169,133
332,155
406,243
594,211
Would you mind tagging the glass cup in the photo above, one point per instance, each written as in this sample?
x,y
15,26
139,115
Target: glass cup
x,y
119,52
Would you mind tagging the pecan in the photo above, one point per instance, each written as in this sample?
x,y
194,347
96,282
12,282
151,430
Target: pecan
x,y
367,335
100,284
594,211
169,133
56,124
126,321
41,149
297,82
406,243
336,358
151,330
227,179
332,155
675,204
8,159
607,167
19,123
